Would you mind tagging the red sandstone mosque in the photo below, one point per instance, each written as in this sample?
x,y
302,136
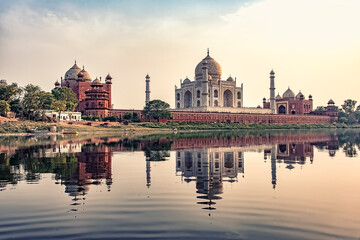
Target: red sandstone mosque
x,y
208,98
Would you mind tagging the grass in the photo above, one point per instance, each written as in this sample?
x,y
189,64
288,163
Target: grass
x,y
24,126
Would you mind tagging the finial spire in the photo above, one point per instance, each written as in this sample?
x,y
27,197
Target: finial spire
x,y
83,67
208,53
75,61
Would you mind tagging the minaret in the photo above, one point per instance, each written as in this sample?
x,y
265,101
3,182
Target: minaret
x,y
147,91
205,85
272,91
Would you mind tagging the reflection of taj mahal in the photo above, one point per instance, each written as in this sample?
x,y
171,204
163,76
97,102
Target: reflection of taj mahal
x,y
209,167
210,163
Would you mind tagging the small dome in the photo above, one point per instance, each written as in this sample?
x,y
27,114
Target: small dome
x,y
80,75
72,72
86,75
147,76
57,83
331,102
289,94
299,95
96,82
214,68
310,96
108,77
230,79
186,81
278,97
272,72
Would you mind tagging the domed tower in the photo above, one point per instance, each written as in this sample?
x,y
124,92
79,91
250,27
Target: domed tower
x,y
97,99
108,83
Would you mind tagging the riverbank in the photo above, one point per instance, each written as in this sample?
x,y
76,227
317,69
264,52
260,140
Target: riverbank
x,y
21,128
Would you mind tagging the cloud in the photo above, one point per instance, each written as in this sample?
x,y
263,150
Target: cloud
x,y
321,24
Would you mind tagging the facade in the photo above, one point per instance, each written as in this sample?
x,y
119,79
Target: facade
x,y
208,91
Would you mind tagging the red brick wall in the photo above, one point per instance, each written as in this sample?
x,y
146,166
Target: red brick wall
x,y
247,118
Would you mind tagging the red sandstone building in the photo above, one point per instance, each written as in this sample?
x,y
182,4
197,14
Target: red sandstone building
x,y
94,96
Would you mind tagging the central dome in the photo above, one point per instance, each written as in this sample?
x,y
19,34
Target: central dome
x,y
213,66
72,72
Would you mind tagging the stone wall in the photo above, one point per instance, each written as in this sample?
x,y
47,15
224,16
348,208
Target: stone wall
x,y
225,110
248,118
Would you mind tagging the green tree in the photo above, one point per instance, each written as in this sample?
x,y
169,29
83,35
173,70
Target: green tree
x,y
45,100
4,107
157,109
16,106
58,106
67,97
127,116
349,106
10,92
30,102
319,109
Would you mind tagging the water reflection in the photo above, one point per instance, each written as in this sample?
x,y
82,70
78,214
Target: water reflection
x,y
209,168
201,158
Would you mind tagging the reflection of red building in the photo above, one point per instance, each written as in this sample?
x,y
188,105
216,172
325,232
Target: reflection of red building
x,y
94,167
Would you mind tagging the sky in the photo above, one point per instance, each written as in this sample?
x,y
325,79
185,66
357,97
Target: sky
x,y
312,45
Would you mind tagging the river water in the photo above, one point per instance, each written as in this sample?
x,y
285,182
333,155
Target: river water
x,y
222,185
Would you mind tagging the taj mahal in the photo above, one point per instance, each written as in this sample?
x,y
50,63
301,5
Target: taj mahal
x,y
208,91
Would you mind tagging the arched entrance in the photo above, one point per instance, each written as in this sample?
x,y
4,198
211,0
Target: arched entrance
x,y
187,99
228,98
282,109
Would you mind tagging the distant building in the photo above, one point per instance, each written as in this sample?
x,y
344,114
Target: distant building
x,y
288,103
63,116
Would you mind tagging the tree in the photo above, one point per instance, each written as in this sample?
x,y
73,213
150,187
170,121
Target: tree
x,y
45,100
67,97
349,106
319,109
30,102
10,92
127,116
4,107
157,109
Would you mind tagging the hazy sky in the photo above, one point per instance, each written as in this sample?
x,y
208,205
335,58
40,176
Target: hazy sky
x,y
312,45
